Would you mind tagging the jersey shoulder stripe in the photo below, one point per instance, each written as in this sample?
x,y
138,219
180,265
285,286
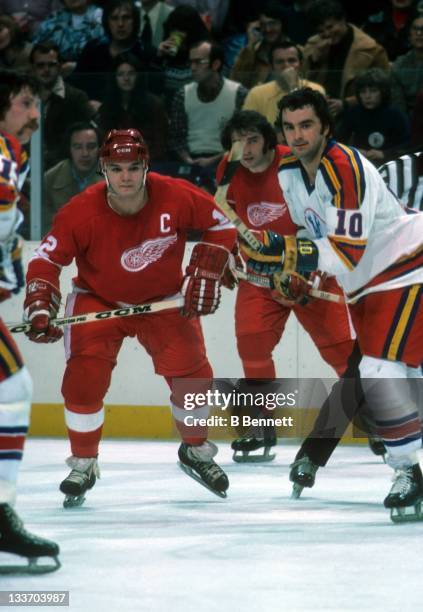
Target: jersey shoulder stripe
x,y
343,172
288,161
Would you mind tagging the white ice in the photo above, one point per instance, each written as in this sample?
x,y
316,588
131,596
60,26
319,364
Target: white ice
x,y
151,539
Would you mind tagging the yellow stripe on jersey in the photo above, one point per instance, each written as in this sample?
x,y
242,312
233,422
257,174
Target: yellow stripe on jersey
x,y
341,255
8,357
334,180
289,159
402,323
352,241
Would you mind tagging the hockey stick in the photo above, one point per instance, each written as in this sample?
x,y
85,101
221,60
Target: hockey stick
x,y
234,159
91,317
263,281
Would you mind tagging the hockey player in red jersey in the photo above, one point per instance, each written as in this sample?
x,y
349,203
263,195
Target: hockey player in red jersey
x,y
358,231
261,313
19,116
128,236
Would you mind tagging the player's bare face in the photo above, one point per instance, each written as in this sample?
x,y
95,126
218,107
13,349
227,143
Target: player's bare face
x,y
304,134
126,180
21,119
254,156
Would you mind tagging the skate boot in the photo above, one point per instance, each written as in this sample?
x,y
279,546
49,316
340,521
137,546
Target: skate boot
x,y
302,474
244,446
197,462
406,494
82,478
377,446
14,539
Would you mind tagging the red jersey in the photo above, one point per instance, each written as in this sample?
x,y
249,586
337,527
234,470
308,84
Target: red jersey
x,y
129,259
257,197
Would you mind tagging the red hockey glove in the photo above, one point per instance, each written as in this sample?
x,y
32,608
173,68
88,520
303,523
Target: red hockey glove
x,y
229,278
42,303
295,288
201,286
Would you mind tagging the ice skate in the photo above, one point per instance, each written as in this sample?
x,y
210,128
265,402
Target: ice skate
x,y
244,447
197,462
83,476
302,474
406,495
377,446
14,539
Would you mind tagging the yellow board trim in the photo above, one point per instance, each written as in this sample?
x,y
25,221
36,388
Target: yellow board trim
x,y
154,423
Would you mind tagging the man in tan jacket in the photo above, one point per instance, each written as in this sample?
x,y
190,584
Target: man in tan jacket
x,y
338,52
73,174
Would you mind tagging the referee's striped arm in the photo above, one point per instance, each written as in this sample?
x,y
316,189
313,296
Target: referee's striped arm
x,y
404,177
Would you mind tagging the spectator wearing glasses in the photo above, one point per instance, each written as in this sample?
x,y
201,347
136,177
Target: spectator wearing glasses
x,y
200,109
62,103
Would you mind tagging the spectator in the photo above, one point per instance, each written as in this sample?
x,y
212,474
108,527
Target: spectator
x,y
28,16
252,64
153,16
121,23
373,126
129,105
407,70
200,109
286,61
14,50
388,24
417,122
62,103
71,28
182,29
73,174
338,52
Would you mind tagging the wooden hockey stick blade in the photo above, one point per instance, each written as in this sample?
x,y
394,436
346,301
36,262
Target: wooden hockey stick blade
x,y
265,282
92,317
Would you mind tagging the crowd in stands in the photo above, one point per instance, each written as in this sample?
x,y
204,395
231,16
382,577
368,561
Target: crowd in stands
x,y
178,69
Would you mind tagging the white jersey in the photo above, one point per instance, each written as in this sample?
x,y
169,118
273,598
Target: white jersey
x,y
364,236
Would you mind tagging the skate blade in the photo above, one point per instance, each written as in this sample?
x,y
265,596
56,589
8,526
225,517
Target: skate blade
x,y
407,514
74,501
246,457
189,472
297,489
33,568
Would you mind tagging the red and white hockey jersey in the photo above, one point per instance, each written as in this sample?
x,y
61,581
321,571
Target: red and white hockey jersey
x,y
129,259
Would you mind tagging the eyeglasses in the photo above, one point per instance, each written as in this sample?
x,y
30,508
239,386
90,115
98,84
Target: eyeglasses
x,y
199,61
418,29
46,64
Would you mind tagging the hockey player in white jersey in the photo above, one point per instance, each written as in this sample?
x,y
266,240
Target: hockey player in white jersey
x,y
356,230
19,116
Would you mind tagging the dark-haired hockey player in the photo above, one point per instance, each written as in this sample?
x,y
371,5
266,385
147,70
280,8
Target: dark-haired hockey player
x,y
128,238
260,313
19,116
360,233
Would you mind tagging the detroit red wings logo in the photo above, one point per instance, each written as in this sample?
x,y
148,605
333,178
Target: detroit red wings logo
x,y
139,257
262,213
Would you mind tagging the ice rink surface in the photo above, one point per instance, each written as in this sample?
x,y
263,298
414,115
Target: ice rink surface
x,y
151,539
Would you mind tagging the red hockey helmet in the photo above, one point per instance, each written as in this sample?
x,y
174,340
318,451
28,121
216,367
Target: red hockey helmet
x,y
124,146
